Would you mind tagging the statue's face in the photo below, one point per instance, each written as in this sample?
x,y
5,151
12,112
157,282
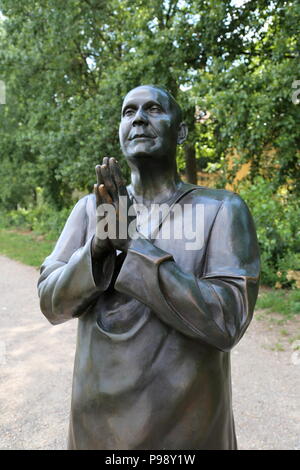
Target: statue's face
x,y
148,125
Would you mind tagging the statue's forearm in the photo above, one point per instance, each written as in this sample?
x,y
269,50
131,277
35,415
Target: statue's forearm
x,y
68,290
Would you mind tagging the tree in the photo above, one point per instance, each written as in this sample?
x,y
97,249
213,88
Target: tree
x,y
68,66
251,98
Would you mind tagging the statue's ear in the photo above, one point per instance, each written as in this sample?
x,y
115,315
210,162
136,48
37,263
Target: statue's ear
x,y
182,133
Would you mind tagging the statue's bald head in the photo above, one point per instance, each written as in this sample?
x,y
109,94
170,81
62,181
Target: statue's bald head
x,y
151,124
174,106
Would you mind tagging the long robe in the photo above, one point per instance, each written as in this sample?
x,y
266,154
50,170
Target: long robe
x,y
156,326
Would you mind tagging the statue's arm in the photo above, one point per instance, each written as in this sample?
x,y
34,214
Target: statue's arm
x,y
71,279
215,308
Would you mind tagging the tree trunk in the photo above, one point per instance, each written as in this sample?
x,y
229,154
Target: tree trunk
x,y
190,163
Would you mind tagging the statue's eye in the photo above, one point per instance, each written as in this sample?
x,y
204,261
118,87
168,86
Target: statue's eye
x,y
129,112
155,109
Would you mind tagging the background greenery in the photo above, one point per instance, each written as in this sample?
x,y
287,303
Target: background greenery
x,y
230,64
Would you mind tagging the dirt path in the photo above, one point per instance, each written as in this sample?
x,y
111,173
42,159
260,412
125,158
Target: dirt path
x,y
36,362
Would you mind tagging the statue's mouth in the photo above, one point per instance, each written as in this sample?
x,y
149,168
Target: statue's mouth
x,y
141,136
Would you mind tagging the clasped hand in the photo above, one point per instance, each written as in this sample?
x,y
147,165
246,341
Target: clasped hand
x,y
112,203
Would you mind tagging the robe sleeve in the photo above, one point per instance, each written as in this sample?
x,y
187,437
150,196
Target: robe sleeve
x,y
215,308
70,281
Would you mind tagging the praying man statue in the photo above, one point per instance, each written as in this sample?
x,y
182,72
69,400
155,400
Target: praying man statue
x,y
163,278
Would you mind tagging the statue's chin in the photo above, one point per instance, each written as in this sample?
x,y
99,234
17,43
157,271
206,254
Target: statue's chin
x,y
141,153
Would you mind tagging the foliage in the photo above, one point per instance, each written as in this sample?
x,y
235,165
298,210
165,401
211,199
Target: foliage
x,y
250,97
276,216
67,66
43,220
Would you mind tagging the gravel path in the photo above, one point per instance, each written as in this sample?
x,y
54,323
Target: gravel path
x,y
36,362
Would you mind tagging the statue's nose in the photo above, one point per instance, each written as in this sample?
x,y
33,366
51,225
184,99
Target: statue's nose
x,y
140,117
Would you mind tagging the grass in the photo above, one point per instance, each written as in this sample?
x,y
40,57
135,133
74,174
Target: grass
x,y
286,303
32,249
284,332
277,347
295,338
26,247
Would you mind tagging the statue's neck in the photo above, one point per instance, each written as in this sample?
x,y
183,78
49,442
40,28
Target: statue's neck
x,y
153,183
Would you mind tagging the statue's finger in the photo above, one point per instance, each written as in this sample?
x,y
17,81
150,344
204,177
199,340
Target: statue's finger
x,y
106,198
98,175
97,195
117,176
108,181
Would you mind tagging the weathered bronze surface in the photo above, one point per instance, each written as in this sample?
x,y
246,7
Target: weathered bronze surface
x,y
156,321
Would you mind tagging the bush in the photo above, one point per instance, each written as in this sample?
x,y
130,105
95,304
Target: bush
x,y
276,215
42,219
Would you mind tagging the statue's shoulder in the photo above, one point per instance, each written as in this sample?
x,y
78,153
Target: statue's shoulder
x,y
213,194
215,198
88,201
84,207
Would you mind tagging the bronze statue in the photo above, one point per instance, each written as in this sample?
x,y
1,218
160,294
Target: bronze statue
x,y
157,319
